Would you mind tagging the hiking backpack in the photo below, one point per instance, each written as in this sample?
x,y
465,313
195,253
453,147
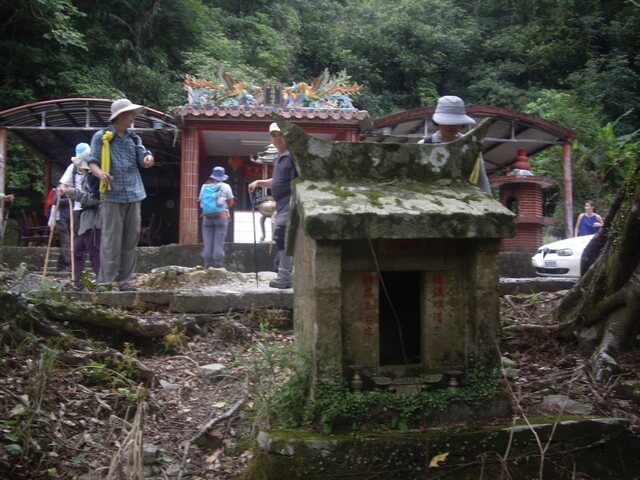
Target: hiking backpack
x,y
209,199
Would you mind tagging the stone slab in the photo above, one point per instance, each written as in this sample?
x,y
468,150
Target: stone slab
x,y
594,447
223,299
210,300
220,300
515,286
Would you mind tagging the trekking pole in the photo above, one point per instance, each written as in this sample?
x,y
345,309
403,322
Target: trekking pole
x,y
51,232
72,233
255,248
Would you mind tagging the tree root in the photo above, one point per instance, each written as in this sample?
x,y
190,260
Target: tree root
x,y
205,430
27,322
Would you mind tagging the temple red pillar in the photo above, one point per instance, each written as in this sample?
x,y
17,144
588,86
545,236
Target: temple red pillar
x,y
189,180
568,190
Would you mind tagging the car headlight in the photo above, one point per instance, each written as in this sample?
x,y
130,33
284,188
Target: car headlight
x,y
565,252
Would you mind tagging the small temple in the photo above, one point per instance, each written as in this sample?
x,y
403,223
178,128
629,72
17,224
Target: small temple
x,y
395,254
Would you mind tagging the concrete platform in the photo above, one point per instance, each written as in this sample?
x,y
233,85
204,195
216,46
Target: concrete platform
x,y
221,299
207,300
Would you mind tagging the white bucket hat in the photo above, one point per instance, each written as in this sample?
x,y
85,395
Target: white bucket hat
x,y
450,111
218,174
82,153
274,128
123,105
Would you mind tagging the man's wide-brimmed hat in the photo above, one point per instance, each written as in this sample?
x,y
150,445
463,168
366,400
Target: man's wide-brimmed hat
x,y
124,105
450,111
218,174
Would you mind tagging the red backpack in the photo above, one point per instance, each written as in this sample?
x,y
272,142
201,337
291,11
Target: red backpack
x,y
48,203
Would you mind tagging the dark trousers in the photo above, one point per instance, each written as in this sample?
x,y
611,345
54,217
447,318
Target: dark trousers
x,y
88,242
64,238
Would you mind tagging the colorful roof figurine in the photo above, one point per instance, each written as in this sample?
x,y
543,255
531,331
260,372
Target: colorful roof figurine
x,y
325,92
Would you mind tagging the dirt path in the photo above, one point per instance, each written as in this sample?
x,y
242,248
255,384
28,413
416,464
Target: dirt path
x,y
82,420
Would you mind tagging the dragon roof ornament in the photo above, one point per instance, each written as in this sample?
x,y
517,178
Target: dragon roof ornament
x,y
325,91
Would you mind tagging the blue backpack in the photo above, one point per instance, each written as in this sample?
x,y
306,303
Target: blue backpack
x,y
209,199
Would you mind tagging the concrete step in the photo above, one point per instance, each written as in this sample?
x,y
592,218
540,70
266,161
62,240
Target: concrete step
x,y
207,300
220,299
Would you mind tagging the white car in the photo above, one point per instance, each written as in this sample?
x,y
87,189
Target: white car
x,y
561,258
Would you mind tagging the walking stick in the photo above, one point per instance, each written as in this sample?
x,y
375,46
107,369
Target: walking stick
x,y
72,233
255,248
51,232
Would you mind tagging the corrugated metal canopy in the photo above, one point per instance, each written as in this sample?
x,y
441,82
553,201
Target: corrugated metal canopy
x,y
509,132
53,128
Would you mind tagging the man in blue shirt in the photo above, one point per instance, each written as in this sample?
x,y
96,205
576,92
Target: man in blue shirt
x,y
122,191
284,172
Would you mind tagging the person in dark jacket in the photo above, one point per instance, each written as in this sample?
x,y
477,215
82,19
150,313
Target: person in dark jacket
x,y
284,172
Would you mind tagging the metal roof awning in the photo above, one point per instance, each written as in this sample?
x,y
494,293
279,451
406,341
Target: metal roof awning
x,y
509,132
53,128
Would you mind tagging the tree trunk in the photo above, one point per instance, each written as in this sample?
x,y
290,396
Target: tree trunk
x,y
602,310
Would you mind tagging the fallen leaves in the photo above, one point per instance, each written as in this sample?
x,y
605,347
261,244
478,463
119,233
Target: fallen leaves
x,y
438,459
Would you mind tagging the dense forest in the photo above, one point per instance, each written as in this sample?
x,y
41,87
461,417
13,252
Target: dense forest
x,y
574,62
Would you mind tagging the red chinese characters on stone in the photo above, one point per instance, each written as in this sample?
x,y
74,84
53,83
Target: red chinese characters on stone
x,y
369,305
438,300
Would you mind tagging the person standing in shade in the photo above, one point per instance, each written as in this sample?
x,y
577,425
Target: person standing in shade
x,y
62,220
284,172
588,222
88,238
72,178
450,117
117,166
215,222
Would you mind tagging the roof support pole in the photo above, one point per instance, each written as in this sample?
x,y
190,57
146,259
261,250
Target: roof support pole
x,y
3,177
568,190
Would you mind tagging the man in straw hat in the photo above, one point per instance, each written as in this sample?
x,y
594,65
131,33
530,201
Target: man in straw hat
x,y
284,171
450,117
117,154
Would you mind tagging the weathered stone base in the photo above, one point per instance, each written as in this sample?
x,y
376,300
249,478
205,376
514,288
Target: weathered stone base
x,y
597,448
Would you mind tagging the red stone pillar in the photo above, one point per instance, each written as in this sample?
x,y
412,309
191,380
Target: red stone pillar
x,y
189,189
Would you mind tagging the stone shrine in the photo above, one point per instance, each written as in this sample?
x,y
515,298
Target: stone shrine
x,y
395,258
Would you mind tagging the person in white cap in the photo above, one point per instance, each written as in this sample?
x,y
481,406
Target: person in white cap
x,y
117,166
72,178
450,117
284,171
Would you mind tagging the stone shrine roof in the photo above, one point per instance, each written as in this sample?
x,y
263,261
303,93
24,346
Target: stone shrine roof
x,y
402,210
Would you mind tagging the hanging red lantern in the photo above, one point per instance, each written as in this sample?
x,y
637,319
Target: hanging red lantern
x,y
235,163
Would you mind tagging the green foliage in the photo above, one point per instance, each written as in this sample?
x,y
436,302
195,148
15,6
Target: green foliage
x,y
279,380
597,157
572,62
25,423
335,406
173,340
119,372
